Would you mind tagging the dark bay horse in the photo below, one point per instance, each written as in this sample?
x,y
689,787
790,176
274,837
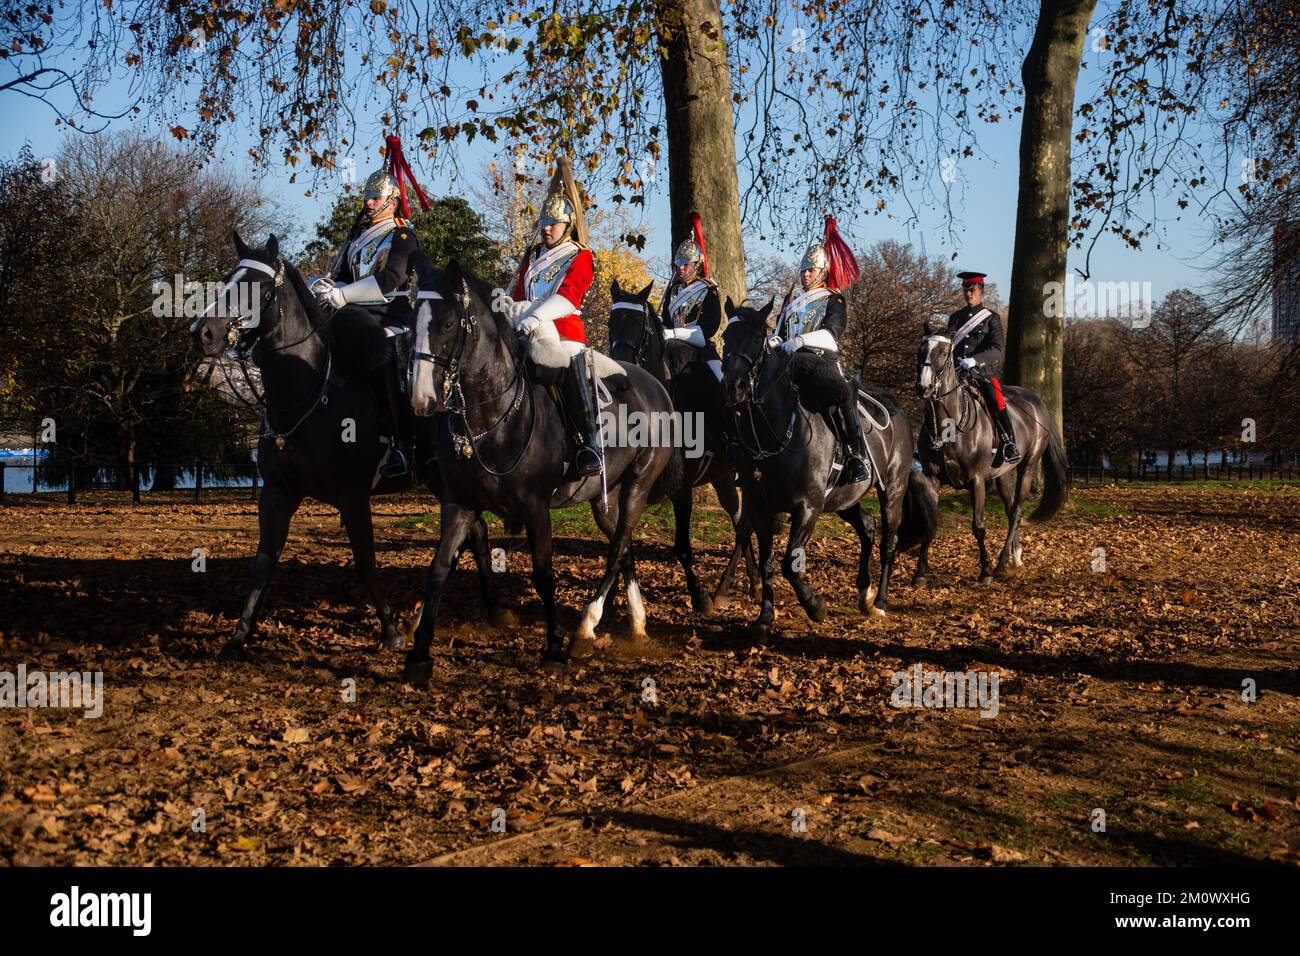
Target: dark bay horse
x,y
957,443
635,336
504,447
787,460
320,434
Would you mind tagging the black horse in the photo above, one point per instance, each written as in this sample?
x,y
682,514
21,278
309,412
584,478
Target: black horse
x,y
788,467
635,336
320,434
502,447
956,447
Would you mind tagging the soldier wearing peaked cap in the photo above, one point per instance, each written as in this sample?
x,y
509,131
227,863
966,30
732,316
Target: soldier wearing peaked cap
x,y
977,348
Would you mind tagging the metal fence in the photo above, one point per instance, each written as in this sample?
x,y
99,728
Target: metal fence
x,y
235,479
196,479
1241,471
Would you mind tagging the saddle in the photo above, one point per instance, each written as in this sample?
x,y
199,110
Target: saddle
x,y
870,407
611,374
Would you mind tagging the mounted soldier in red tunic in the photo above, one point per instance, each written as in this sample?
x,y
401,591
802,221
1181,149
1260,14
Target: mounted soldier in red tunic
x,y
553,278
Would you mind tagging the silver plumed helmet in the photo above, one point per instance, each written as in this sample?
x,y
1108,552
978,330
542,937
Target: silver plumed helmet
x,y
814,257
380,185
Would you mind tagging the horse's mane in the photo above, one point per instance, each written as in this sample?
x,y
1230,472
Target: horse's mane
x,y
314,314
483,290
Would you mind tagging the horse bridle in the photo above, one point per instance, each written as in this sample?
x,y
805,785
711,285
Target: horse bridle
x,y
240,326
643,342
467,326
934,401
755,402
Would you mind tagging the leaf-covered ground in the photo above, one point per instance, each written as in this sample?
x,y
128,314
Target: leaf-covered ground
x,y
1121,691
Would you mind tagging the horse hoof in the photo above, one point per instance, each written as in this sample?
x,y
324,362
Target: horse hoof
x,y
920,581
720,603
392,639
553,667
816,609
702,603
581,648
875,611
865,599
503,617
986,579
417,673
233,651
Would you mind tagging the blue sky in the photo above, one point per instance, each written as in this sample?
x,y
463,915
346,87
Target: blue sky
x,y
985,202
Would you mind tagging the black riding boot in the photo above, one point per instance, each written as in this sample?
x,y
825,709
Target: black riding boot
x,y
1010,452
399,454
579,398
850,429
1006,450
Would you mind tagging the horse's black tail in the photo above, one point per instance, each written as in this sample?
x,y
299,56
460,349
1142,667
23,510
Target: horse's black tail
x,y
671,478
1056,477
920,511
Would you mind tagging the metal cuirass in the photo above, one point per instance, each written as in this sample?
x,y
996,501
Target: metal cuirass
x,y
544,277
802,317
368,254
682,303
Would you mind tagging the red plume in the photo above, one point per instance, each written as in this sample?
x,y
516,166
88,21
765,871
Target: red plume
x,y
697,231
841,265
401,170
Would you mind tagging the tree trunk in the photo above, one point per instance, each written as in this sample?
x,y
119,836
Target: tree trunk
x,y
125,457
702,137
1050,71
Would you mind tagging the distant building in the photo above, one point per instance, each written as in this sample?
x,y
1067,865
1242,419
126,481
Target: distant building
x,y
1286,282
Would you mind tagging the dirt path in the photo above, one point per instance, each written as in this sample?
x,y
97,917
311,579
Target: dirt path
x,y
1120,690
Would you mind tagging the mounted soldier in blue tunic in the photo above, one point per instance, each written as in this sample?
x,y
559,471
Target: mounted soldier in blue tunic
x,y
370,285
811,323
978,345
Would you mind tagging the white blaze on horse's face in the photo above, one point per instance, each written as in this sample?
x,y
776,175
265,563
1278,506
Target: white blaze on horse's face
x,y
218,307
927,377
423,393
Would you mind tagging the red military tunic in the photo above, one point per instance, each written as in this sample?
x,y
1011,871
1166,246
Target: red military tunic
x,y
565,270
